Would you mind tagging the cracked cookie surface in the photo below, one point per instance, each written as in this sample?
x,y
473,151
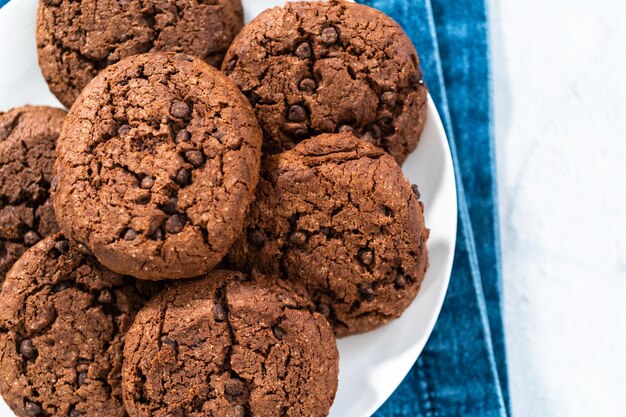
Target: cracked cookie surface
x,y
28,136
230,345
316,67
337,215
77,39
63,318
157,164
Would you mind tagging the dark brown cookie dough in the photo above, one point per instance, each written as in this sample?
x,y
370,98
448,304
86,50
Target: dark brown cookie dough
x,y
63,320
317,67
28,136
337,215
230,345
77,39
157,164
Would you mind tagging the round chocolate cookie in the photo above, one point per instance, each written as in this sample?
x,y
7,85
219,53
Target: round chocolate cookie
x,y
157,164
318,67
28,136
230,345
336,214
77,39
63,320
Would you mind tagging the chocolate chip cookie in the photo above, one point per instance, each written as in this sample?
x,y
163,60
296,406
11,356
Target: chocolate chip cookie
x,y
324,67
230,345
336,214
27,139
62,324
77,39
157,164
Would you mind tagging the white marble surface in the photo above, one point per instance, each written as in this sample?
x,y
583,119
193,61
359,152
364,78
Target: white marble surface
x,y
560,104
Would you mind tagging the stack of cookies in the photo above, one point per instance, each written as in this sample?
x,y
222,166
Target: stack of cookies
x,y
188,241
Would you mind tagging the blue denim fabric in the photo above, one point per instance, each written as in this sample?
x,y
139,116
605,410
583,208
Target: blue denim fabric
x,y
3,2
456,375
462,32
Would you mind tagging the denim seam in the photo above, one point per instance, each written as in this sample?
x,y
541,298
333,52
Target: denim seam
x,y
494,185
426,392
494,163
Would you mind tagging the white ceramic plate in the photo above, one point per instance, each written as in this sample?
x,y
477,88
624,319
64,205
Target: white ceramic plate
x,y
372,365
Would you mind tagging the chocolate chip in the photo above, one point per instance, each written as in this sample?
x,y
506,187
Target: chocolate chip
x,y
157,235
234,387
303,50
82,379
300,133
278,332
326,231
31,408
123,130
62,246
59,248
219,313
174,224
147,182
125,37
76,413
61,286
183,177
368,137
171,207
231,66
253,98
389,98
323,309
298,238
185,57
171,343
416,191
329,35
180,109
308,85
130,234
195,158
366,256
143,198
375,130
105,296
417,79
241,277
366,291
345,128
27,349
256,238
182,136
400,281
297,113
31,237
